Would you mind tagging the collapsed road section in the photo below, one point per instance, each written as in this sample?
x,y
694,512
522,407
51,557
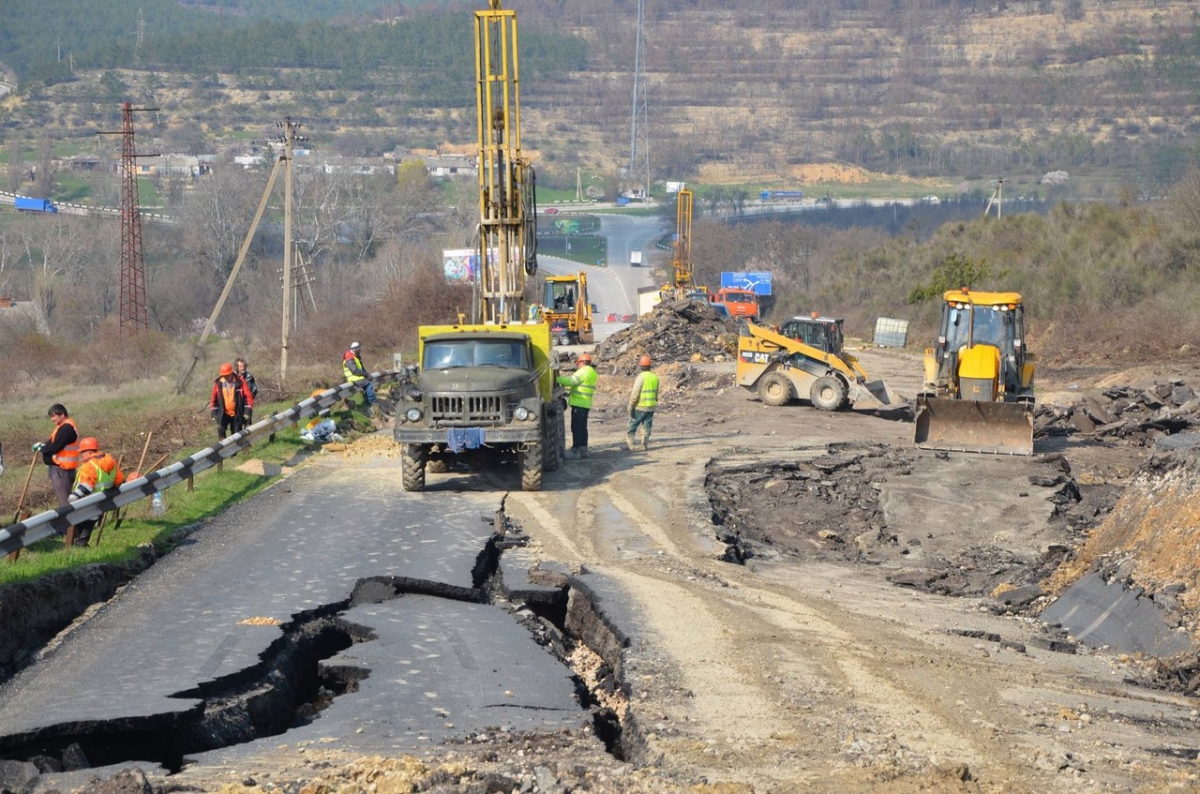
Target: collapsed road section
x,y
393,626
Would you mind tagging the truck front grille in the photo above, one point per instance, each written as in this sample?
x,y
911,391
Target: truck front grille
x,y
467,411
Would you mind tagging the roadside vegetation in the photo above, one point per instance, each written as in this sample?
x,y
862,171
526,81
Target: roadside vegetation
x,y
1100,280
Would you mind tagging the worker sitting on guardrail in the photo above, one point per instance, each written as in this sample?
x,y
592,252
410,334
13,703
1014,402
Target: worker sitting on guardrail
x,y
354,372
98,471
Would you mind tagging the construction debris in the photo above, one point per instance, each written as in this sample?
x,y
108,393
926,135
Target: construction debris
x,y
684,331
1125,414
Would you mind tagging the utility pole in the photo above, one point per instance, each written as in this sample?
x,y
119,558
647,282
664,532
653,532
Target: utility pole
x,y
133,275
639,130
997,198
289,138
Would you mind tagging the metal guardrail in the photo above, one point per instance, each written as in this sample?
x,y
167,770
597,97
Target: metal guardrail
x,y
25,533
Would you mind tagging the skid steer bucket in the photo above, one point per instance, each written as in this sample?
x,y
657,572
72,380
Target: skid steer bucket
x,y
970,426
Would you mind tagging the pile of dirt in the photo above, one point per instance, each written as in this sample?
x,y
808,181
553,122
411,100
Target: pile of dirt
x,y
1125,414
676,331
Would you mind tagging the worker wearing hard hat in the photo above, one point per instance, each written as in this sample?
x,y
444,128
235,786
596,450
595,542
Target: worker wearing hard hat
x,y
232,404
97,471
643,399
582,383
354,372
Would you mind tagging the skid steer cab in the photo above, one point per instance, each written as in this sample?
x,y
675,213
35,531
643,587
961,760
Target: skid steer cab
x,y
806,359
978,393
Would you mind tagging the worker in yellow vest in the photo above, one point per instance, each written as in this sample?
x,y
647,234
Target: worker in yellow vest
x,y
582,385
643,399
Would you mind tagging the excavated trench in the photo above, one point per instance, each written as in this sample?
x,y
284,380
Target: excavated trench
x,y
827,504
292,685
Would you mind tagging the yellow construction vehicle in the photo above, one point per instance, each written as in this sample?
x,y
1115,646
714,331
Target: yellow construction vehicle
x,y
486,391
978,394
806,359
683,284
566,307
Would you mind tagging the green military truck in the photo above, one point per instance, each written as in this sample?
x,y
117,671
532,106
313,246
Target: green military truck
x,y
484,395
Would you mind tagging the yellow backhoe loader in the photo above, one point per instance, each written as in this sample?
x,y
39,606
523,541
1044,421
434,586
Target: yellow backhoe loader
x,y
978,394
805,359
566,306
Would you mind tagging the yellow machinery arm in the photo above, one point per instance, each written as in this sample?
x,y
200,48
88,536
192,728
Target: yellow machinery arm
x,y
681,263
507,210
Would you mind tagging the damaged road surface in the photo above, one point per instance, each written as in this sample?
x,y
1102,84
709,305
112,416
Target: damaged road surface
x,y
331,610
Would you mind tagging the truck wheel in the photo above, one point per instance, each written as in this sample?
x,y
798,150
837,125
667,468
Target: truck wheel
x,y
775,389
412,467
531,467
828,393
437,467
555,446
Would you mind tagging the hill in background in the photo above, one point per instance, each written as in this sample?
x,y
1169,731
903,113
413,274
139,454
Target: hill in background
x,y
738,91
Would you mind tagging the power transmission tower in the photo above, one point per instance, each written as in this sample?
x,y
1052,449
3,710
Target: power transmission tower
x,y
997,198
639,128
133,271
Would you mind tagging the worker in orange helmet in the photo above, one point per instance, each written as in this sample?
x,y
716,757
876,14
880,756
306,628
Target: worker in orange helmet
x,y
582,385
643,399
232,404
97,471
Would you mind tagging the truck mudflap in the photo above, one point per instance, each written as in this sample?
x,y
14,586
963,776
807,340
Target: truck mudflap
x,y
971,426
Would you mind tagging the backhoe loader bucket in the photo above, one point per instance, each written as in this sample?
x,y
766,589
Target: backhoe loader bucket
x,y
970,426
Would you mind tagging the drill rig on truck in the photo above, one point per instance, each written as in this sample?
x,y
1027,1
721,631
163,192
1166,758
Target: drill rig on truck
x,y
683,283
486,391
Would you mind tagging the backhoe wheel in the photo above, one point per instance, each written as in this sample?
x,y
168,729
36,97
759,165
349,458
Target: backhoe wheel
x,y
531,467
775,389
412,467
828,393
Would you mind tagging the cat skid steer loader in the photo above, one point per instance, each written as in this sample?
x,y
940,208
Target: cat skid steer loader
x,y
806,359
978,394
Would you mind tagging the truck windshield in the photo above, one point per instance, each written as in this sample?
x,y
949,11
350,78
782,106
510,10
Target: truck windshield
x,y
452,353
738,297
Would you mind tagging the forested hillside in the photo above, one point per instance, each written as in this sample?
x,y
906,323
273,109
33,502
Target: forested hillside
x,y
736,91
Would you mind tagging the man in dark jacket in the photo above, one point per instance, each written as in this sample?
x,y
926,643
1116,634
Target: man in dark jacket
x,y
61,452
231,404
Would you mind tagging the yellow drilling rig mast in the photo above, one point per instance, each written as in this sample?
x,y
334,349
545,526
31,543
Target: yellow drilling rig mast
x,y
507,207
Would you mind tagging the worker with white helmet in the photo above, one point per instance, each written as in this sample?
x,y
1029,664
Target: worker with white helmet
x,y
643,399
582,383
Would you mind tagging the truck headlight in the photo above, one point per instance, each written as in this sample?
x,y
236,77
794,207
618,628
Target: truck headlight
x,y
521,414
413,414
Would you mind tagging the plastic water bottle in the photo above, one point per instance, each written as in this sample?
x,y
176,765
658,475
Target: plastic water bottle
x,y
157,506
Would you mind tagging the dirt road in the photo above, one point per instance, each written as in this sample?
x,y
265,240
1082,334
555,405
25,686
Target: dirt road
x,y
808,667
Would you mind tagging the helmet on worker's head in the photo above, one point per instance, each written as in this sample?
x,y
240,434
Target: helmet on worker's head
x,y
584,358
644,361
355,346
226,369
89,444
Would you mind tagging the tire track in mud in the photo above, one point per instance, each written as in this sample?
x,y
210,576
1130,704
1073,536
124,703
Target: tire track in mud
x,y
724,644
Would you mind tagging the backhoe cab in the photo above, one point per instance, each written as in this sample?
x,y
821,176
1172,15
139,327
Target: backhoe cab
x,y
978,393
805,359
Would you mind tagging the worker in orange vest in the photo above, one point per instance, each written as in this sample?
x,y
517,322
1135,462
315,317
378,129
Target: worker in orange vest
x,y
61,452
232,404
97,471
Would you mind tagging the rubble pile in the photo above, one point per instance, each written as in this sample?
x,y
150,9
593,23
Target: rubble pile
x,y
676,331
1124,413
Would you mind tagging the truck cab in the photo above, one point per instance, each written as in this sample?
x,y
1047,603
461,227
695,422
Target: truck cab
x,y
740,302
